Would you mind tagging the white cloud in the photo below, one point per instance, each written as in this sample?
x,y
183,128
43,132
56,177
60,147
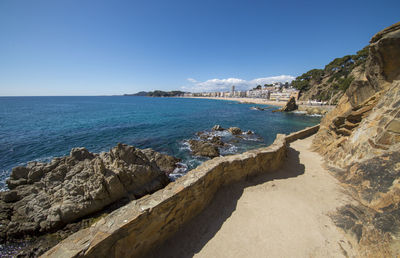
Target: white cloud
x,y
226,84
191,80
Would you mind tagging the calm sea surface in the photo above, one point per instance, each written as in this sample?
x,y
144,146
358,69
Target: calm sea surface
x,y
39,128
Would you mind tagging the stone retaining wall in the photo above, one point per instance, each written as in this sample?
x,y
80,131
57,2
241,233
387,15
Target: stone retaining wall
x,y
132,230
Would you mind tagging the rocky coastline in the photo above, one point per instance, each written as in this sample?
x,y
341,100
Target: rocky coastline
x,y
46,202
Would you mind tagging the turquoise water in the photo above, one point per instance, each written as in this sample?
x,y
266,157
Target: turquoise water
x,y
39,128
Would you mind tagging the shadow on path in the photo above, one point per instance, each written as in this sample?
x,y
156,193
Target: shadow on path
x,y
193,236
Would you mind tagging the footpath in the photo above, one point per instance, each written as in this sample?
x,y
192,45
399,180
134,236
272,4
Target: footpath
x,y
280,214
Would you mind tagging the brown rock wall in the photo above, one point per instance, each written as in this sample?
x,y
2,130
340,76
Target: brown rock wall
x,y
360,138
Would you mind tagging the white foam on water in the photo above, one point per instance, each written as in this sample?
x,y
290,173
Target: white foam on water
x,y
219,133
300,112
43,159
231,149
185,146
254,139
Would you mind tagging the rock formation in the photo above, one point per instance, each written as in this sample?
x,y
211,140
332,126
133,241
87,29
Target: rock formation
x,y
203,148
210,144
217,128
43,197
235,130
360,139
290,105
165,163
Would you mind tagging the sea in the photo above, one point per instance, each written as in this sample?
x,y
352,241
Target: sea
x,y
41,128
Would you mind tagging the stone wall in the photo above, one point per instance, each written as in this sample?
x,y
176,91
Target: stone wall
x,y
135,228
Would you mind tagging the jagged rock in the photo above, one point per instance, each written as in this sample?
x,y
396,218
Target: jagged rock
x,y
216,140
80,154
290,105
47,196
384,62
203,148
166,163
217,128
235,130
249,132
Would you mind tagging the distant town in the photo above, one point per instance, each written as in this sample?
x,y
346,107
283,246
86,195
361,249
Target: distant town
x,y
276,92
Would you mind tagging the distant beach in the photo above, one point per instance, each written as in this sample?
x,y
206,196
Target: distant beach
x,y
247,100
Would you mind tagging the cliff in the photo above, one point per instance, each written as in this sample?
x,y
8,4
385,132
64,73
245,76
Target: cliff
x,y
360,140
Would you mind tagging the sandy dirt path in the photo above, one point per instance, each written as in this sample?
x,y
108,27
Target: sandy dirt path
x,y
280,214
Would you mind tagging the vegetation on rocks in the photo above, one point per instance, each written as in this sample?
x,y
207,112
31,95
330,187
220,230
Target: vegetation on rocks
x,y
331,82
158,93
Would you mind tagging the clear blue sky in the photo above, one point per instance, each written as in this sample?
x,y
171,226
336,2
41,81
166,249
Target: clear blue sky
x,y
89,47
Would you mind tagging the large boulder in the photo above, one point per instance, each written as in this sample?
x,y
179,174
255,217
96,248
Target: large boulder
x,y
203,148
46,196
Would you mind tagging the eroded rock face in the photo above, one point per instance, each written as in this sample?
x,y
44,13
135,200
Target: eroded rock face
x,y
361,137
290,105
46,196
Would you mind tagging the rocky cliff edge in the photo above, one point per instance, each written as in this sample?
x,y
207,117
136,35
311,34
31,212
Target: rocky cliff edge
x,y
360,140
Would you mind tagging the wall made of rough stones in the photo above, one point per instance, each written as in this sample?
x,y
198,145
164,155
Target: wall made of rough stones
x,y
135,228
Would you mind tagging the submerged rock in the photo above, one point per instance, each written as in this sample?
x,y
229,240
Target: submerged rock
x,y
46,196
